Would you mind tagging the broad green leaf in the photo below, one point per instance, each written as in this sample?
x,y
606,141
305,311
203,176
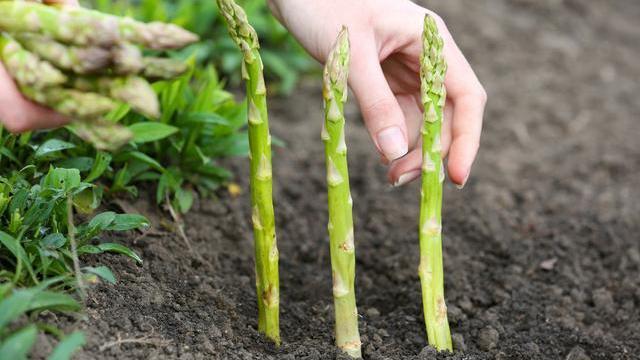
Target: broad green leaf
x,y
6,152
103,272
124,222
118,113
52,146
120,249
102,221
89,249
18,344
145,159
67,346
62,179
15,247
82,163
15,305
151,131
100,164
50,300
88,200
53,241
184,199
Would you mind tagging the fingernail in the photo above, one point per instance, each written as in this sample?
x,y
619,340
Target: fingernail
x,y
464,182
392,143
407,178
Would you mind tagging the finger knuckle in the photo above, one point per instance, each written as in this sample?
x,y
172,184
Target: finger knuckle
x,y
482,94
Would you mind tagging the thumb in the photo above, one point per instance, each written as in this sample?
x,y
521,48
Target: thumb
x,y
382,114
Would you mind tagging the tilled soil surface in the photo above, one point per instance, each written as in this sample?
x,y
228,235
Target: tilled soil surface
x,y
542,254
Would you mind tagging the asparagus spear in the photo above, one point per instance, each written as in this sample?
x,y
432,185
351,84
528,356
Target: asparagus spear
x,y
432,72
267,281
84,27
104,135
163,69
343,260
71,103
27,68
80,60
62,24
126,59
132,90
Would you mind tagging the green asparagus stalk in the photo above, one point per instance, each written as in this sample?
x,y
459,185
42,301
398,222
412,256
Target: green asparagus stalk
x,y
80,60
26,68
267,281
132,90
74,104
432,72
163,69
126,59
343,260
102,134
84,27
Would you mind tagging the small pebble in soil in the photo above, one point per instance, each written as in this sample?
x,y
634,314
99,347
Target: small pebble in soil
x,y
577,353
458,342
455,314
488,338
427,353
603,300
532,348
372,312
466,304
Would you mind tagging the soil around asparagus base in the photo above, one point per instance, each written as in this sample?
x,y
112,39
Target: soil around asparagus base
x,y
541,249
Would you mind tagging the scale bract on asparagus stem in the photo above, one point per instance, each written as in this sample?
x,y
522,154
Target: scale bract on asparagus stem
x,y
343,260
432,72
84,27
267,281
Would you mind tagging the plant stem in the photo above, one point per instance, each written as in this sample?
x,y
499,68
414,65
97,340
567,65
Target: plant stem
x,y
71,228
267,281
343,260
432,73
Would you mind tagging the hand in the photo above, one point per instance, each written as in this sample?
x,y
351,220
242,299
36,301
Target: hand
x,y
385,50
17,114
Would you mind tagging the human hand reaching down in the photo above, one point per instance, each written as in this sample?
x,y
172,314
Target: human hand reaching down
x,y
18,114
385,66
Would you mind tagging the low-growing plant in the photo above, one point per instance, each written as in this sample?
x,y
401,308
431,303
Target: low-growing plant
x,y
39,251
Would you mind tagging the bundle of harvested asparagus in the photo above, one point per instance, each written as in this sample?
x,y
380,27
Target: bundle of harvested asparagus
x,y
83,63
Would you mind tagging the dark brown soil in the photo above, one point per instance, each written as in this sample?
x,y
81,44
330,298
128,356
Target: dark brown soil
x,y
542,253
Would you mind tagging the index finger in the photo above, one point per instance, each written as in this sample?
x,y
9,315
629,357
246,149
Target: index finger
x,y
468,98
